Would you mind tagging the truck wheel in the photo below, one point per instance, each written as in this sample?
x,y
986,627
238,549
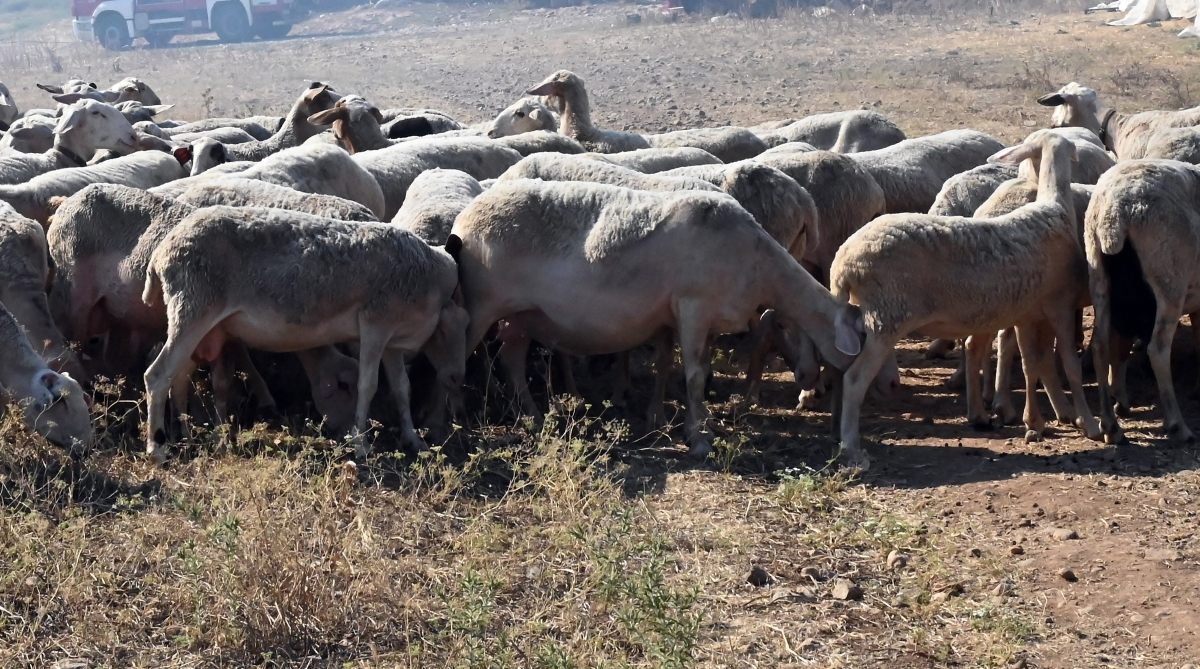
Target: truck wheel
x,y
111,33
273,31
230,22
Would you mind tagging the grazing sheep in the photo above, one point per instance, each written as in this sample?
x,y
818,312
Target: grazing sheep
x,y
295,129
233,191
9,112
566,89
136,112
727,144
963,193
34,134
284,281
1126,135
1141,235
974,277
541,141
174,189
549,167
912,172
125,90
144,169
841,132
1181,144
400,123
395,168
223,135
258,127
434,200
788,148
653,161
54,405
591,269
524,115
24,274
85,128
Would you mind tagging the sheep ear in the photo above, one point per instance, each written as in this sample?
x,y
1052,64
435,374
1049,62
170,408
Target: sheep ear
x,y
70,120
454,246
377,114
1052,100
548,88
92,85
315,90
68,98
1013,155
328,116
183,154
537,115
155,110
848,330
50,89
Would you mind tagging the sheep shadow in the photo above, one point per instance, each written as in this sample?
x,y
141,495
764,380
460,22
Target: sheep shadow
x,y
53,484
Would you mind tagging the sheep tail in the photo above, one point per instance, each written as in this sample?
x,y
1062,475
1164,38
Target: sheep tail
x,y
152,294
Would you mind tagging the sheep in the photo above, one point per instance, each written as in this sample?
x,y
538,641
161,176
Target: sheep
x,y
853,131
285,281
54,405
912,172
653,161
400,123
174,189
85,127
295,129
567,90
593,269
572,168
144,169
1126,135
136,112
128,89
33,134
541,141
524,115
258,127
727,144
223,135
24,274
1141,240
972,278
1181,144
434,199
239,192
788,148
963,193
395,168
9,112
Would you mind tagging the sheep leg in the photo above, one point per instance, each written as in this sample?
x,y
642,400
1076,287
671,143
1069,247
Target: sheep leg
x,y
220,372
397,376
371,344
174,362
977,347
855,383
181,386
988,371
1006,350
760,347
622,383
1195,320
664,357
959,377
256,384
1064,331
563,362
1159,350
1122,353
1102,350
1047,371
1027,341
938,348
693,345
513,351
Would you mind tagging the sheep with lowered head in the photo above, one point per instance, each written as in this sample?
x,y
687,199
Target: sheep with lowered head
x,y
284,281
434,200
85,128
974,277
842,132
912,172
653,161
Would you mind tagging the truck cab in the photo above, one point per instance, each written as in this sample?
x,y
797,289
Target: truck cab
x,y
116,23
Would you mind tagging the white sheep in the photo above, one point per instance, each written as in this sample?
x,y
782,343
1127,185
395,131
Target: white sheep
x,y
9,111
85,128
852,131
258,127
284,281
296,126
1126,135
541,141
434,200
567,90
961,277
912,172
234,191
524,115
54,405
653,161
548,167
32,134
1181,144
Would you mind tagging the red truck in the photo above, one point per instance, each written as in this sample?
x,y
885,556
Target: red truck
x,y
116,23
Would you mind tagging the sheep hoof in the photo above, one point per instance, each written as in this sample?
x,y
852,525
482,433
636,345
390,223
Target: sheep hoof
x,y
854,458
1116,437
1091,429
700,449
983,425
157,455
1032,436
1180,432
809,400
1006,415
1121,410
957,381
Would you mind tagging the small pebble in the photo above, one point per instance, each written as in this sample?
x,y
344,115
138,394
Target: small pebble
x,y
1136,618
1067,575
1002,589
1016,550
759,577
975,552
845,590
897,560
1063,534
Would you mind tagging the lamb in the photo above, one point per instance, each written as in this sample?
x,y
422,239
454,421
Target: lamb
x,y
1126,135
144,169
284,281
1181,144
24,274
259,127
556,260
238,192
566,89
395,168
524,115
841,132
1022,269
54,405
1141,239
912,172
9,112
34,134
434,200
653,161
85,127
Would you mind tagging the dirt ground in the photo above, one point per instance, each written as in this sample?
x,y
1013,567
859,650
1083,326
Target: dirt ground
x,y
983,525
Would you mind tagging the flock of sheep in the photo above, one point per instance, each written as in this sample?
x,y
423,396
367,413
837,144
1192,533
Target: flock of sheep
x,y
352,237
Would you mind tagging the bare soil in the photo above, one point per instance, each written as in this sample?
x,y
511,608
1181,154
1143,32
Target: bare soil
x,y
583,545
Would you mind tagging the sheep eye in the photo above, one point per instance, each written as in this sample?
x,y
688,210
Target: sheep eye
x,y
520,114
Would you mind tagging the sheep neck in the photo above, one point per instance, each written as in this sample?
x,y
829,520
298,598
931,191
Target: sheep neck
x,y
66,145
576,120
362,135
294,130
803,302
1110,121
1054,177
